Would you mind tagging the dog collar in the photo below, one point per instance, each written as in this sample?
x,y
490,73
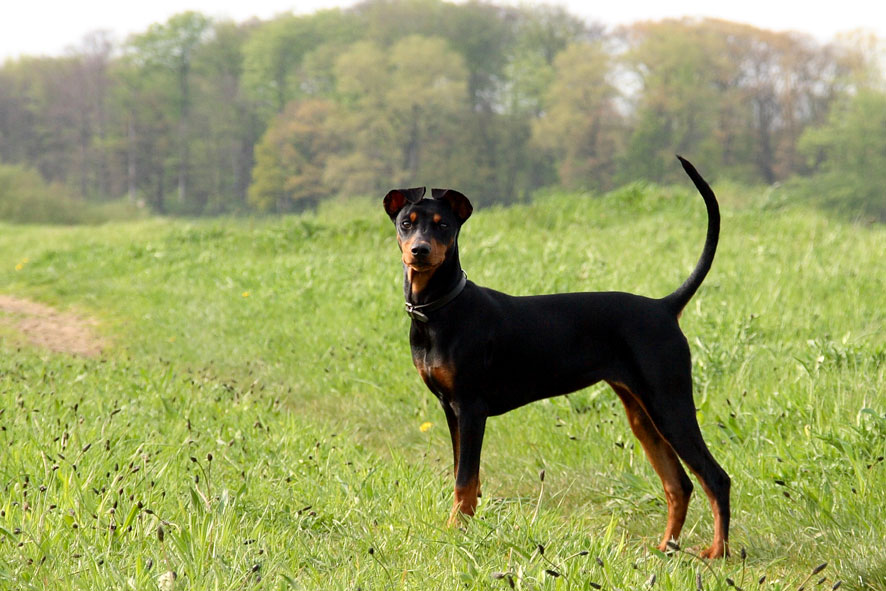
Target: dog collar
x,y
420,311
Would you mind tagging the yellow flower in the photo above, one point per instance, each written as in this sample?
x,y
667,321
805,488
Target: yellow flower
x,y
425,426
245,294
21,264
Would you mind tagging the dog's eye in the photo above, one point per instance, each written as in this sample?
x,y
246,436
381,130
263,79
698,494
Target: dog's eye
x,y
442,225
405,224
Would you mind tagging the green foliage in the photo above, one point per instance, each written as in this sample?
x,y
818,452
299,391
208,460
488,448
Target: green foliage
x,y
399,108
26,198
580,126
721,91
848,153
495,100
289,160
677,62
256,402
167,51
170,45
277,53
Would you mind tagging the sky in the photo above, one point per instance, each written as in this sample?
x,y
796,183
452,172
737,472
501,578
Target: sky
x,y
51,27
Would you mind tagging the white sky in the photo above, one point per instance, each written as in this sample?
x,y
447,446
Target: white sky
x,y
49,27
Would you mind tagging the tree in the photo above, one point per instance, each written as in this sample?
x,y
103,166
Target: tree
x,y
18,119
401,110
48,107
788,81
680,70
580,125
291,157
428,87
728,93
169,48
494,100
225,123
275,52
847,154
367,157
547,30
144,128
863,56
91,89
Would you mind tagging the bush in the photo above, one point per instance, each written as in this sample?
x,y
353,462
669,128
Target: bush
x,y
25,198
848,156
850,195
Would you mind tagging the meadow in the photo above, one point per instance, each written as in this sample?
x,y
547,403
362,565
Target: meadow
x,y
254,420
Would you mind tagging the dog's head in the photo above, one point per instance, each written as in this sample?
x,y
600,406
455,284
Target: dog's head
x,y
426,228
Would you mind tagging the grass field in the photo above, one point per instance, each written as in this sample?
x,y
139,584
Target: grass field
x,y
254,421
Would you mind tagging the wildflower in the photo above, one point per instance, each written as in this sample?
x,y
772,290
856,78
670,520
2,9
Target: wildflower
x,y
245,294
425,426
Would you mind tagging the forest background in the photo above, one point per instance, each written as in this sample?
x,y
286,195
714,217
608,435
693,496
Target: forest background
x,y
197,116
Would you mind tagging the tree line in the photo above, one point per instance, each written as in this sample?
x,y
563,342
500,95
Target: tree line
x,y
196,116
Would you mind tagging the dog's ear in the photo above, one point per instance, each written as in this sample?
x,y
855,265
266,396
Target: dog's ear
x,y
458,202
397,199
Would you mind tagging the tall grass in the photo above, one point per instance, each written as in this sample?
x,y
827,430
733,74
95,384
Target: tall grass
x,y
255,420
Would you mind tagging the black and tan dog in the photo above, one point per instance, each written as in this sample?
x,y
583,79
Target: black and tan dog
x,y
483,353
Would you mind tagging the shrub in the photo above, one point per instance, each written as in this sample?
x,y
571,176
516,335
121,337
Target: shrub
x,y
26,198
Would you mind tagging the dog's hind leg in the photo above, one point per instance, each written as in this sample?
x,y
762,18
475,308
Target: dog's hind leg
x,y
677,486
672,411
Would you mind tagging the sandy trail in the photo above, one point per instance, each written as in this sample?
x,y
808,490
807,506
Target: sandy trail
x,y
45,327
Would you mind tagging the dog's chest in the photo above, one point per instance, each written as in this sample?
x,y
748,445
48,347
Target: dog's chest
x,y
438,375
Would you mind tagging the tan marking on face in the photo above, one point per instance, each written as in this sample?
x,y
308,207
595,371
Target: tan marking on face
x,y
413,216
437,218
420,272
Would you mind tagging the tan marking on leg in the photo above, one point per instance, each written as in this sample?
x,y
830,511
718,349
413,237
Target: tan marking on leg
x,y
465,501
719,546
664,461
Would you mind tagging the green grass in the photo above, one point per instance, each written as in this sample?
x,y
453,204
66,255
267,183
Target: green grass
x,y
257,405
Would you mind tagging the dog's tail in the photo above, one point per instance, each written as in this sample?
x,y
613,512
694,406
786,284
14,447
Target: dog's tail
x,y
681,296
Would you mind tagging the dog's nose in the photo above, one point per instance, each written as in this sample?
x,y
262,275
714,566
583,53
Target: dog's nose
x,y
421,249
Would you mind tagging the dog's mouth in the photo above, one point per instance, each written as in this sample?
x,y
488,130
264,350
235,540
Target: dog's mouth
x,y
422,259
421,266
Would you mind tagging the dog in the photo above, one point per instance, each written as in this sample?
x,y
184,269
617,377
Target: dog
x,y
482,353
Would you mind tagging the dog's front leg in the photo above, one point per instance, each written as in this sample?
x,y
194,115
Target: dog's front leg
x,y
471,423
452,423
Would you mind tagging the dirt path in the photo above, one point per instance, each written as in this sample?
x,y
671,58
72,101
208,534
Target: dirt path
x,y
46,327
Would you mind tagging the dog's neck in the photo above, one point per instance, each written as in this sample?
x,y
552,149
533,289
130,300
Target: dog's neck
x,y
426,287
